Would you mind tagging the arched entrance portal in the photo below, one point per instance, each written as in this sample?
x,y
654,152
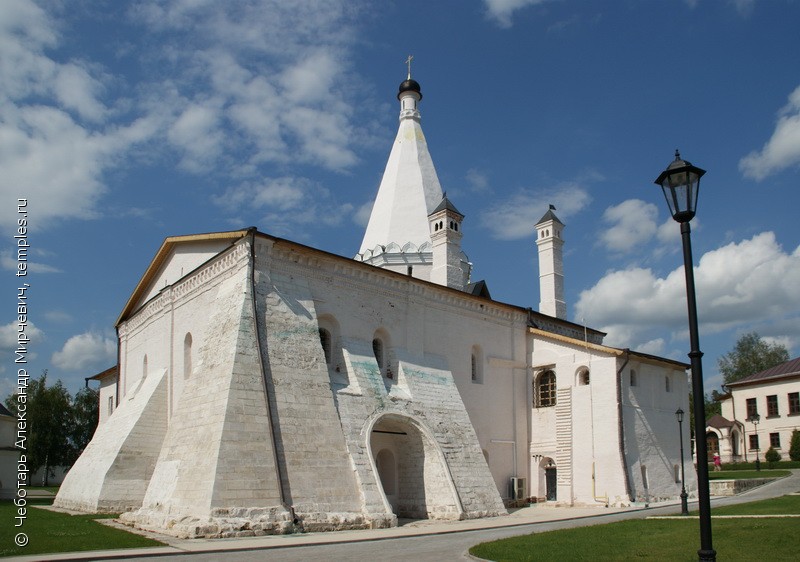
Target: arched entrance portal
x,y
411,470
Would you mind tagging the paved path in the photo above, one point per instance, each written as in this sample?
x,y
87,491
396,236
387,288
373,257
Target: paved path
x,y
419,541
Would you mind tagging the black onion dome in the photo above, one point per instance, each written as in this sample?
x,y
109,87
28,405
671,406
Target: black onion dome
x,y
409,86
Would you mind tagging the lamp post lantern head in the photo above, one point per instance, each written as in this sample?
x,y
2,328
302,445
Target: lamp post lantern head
x,y
755,418
681,184
679,414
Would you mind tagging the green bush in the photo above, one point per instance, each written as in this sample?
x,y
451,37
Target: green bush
x,y
772,456
751,465
794,448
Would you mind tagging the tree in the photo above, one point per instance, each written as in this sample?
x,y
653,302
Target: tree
x,y
712,408
49,416
794,447
750,355
772,456
85,415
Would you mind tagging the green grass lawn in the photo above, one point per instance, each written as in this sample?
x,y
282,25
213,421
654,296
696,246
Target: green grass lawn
x,y
746,474
49,531
663,540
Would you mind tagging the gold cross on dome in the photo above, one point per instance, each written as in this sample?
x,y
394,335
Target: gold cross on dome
x,y
408,62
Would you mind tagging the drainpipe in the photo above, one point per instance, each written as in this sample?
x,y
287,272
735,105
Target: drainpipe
x,y
279,474
621,428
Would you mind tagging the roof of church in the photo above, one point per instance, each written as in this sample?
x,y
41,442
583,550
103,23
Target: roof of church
x,y
4,411
409,86
790,369
446,204
549,216
161,257
409,190
479,289
719,422
111,371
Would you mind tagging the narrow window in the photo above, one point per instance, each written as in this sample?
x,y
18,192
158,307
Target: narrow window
x,y
772,406
775,440
676,470
410,270
476,364
474,368
110,405
634,382
667,384
546,390
752,407
583,377
377,350
144,367
187,355
325,341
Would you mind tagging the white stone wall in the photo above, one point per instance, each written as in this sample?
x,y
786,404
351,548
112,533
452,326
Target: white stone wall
x,y
107,398
260,433
652,438
113,472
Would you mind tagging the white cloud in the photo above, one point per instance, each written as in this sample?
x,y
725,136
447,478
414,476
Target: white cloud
x,y
89,352
57,316
632,223
8,261
515,217
287,202
276,71
55,140
783,148
738,284
361,216
196,131
9,334
501,10
274,75
477,180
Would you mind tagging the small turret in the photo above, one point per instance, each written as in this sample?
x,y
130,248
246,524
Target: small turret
x,y
551,265
450,266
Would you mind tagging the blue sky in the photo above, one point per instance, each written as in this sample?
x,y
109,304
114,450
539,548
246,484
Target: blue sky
x,y
125,123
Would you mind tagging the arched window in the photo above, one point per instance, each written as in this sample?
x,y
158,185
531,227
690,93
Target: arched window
x,y
634,381
325,341
377,350
545,390
583,376
187,355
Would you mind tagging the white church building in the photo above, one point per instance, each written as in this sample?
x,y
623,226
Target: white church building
x,y
265,386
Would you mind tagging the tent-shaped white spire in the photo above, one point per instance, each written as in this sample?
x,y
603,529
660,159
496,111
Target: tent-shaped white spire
x,y
410,188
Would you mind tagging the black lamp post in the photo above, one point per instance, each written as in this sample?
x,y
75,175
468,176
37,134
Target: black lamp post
x,y
684,505
755,418
681,184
